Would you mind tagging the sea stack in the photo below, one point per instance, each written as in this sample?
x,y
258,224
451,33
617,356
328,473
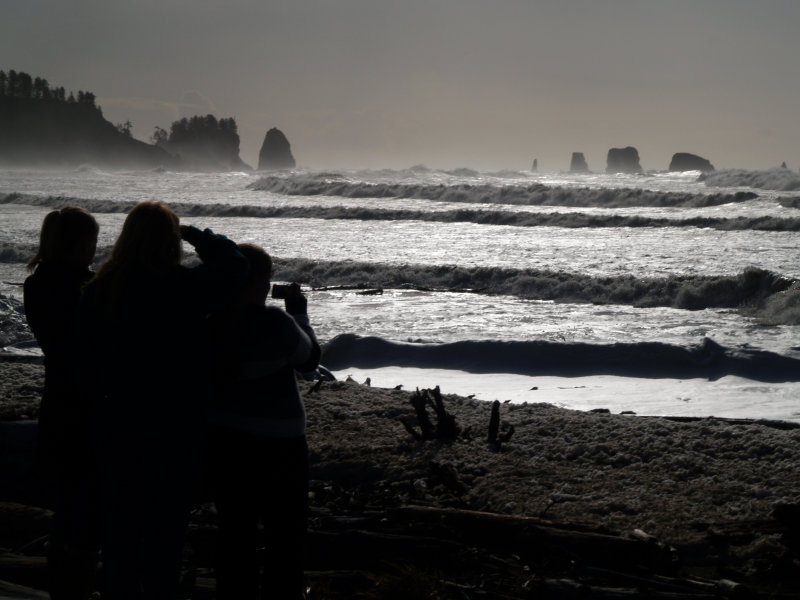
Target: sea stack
x,y
683,161
623,160
578,163
276,153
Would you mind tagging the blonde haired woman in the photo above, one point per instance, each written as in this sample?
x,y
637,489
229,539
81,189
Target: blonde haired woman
x,y
146,358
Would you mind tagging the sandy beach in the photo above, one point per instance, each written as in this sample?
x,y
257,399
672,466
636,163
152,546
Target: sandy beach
x,y
707,489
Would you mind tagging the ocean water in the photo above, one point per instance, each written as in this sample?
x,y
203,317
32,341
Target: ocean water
x,y
663,293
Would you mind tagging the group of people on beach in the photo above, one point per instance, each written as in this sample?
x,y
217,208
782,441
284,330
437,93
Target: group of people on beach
x,y
164,382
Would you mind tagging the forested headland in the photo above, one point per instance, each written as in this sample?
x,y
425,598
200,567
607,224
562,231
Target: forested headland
x,y
46,126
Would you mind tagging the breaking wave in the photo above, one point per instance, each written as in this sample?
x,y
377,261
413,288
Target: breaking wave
x,y
529,195
480,217
767,295
781,308
749,289
783,180
642,359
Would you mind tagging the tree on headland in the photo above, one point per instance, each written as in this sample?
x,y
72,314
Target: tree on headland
x,y
160,137
21,85
125,128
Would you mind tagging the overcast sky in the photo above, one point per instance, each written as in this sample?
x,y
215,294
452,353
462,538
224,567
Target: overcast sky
x,y
445,83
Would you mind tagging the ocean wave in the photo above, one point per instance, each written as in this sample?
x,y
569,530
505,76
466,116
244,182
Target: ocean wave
x,y
781,308
480,217
643,359
753,289
13,325
22,253
56,202
749,289
535,194
783,180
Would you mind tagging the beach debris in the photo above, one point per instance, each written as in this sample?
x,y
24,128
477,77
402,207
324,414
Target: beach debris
x,y
360,289
445,428
315,387
448,476
494,438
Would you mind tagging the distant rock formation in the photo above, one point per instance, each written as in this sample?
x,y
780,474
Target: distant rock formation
x,y
535,165
623,160
683,161
578,163
204,143
276,153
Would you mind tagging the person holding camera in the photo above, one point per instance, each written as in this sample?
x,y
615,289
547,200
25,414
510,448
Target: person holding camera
x,y
259,461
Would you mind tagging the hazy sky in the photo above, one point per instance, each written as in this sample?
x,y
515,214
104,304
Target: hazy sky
x,y
445,83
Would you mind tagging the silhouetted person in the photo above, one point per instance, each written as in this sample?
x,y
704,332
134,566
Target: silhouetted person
x,y
60,268
145,350
260,457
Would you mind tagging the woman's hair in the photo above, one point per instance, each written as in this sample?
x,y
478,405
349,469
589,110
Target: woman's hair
x,y
65,235
150,240
260,262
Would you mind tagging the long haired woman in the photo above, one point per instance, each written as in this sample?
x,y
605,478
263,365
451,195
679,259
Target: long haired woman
x,y
145,358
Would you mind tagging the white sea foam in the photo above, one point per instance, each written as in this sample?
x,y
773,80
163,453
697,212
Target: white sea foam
x,y
783,180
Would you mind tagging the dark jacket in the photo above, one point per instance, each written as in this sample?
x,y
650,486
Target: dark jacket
x,y
259,348
51,295
146,365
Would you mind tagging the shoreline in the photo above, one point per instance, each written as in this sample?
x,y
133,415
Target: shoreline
x,y
712,489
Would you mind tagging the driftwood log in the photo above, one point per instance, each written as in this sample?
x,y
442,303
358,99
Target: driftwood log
x,y
494,437
450,553
445,429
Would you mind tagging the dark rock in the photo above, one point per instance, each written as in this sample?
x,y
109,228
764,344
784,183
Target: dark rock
x,y
623,160
275,152
205,143
683,161
578,163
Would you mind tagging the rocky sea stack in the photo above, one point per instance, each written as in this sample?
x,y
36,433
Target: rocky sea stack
x,y
276,153
683,161
623,160
578,163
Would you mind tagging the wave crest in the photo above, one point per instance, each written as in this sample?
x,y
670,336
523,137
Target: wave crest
x,y
535,194
643,359
750,289
782,180
480,217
